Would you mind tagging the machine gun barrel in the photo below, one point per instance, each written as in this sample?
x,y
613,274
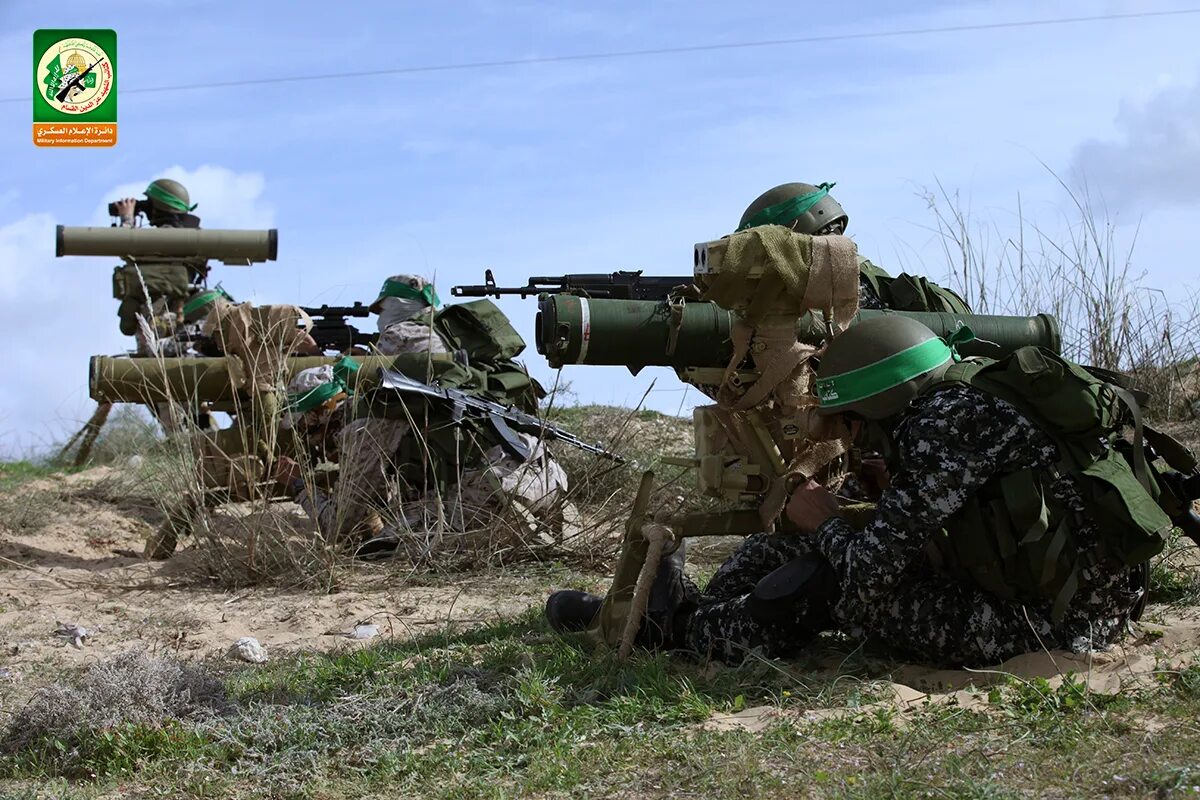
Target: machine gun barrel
x,y
645,333
230,246
620,285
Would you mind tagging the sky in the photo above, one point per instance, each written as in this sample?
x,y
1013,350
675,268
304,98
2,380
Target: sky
x,y
575,166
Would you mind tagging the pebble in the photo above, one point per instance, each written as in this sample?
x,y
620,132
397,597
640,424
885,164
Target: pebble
x,y
248,649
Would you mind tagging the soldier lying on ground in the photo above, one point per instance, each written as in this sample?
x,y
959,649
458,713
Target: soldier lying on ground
x,y
989,541
386,486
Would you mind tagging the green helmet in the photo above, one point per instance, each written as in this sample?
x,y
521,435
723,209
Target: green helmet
x,y
875,367
800,206
169,196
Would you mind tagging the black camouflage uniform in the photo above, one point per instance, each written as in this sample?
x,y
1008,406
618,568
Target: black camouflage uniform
x,y
950,444
866,294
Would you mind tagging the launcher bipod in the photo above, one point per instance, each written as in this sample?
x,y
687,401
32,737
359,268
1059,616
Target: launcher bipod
x,y
648,537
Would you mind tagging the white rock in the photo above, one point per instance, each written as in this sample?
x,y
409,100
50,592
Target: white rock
x,y
367,631
248,648
136,461
72,632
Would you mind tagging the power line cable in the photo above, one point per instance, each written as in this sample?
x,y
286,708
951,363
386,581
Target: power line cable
x,y
658,51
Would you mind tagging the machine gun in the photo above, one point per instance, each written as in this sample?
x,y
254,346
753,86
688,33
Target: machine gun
x,y
620,285
331,331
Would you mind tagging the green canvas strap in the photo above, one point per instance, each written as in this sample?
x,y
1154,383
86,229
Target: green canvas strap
x,y
787,211
156,192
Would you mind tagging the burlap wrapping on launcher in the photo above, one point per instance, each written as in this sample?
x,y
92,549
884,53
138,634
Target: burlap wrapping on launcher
x,y
770,276
261,339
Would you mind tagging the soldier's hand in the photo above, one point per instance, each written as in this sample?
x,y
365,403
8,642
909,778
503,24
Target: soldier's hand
x,y
810,506
287,471
125,208
875,476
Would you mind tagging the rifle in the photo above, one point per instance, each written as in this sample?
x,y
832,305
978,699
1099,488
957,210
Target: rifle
x,y
620,285
504,419
71,84
331,331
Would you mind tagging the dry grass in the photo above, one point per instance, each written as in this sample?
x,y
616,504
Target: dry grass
x,y
1081,270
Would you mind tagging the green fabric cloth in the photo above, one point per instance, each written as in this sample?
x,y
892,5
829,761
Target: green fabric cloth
x,y
787,211
155,192
405,292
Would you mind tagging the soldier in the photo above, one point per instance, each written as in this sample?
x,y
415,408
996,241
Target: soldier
x,y
811,209
988,541
370,451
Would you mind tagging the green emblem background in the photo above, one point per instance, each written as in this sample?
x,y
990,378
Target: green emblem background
x,y
47,37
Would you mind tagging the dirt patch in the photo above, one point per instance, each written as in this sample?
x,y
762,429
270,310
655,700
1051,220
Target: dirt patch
x,y
69,568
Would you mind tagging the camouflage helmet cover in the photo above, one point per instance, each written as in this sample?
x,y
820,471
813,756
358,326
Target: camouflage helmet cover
x,y
800,206
406,287
877,366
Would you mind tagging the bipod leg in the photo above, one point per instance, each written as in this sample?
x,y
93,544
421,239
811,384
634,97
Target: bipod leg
x,y
620,616
89,433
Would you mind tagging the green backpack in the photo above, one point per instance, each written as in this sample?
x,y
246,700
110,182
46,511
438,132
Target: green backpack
x,y
1015,540
169,280
911,292
481,329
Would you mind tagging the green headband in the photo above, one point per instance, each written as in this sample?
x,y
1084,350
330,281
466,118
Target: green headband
x,y
204,298
155,192
405,292
859,384
303,402
788,210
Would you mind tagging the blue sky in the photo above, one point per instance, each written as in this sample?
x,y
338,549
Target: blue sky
x,y
574,166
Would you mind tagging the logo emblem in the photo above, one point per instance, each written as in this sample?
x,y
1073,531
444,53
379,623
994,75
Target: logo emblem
x,y
75,81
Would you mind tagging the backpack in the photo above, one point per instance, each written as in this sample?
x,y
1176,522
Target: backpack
x,y
911,292
481,329
169,280
1013,538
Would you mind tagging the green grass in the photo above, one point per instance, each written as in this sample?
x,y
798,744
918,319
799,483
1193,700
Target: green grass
x,y
512,710
16,473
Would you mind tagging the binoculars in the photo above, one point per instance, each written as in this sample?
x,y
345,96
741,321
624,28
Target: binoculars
x,y
140,207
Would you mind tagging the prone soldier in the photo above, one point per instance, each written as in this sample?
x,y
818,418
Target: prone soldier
x,y
384,454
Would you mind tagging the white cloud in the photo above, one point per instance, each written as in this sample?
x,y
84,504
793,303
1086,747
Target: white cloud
x,y
1155,159
223,198
59,312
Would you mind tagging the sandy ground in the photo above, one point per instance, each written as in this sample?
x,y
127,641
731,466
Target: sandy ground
x,y
68,569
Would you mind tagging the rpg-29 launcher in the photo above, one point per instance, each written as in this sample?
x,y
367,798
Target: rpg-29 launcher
x,y
331,331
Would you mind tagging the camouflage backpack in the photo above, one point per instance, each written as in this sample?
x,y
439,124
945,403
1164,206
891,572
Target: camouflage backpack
x,y
1013,538
911,292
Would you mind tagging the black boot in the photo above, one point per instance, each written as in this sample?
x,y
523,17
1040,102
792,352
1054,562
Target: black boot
x,y
672,600
571,610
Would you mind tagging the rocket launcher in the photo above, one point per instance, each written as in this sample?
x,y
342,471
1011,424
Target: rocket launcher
x,y
769,298
233,247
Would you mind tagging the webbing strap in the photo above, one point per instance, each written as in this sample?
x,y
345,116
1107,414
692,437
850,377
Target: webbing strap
x,y
1139,448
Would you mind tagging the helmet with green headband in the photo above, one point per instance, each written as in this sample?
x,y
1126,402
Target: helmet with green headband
x,y
168,196
318,389
876,367
406,287
200,304
800,206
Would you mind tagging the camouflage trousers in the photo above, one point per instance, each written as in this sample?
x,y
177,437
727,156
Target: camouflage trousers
x,y
928,616
528,495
